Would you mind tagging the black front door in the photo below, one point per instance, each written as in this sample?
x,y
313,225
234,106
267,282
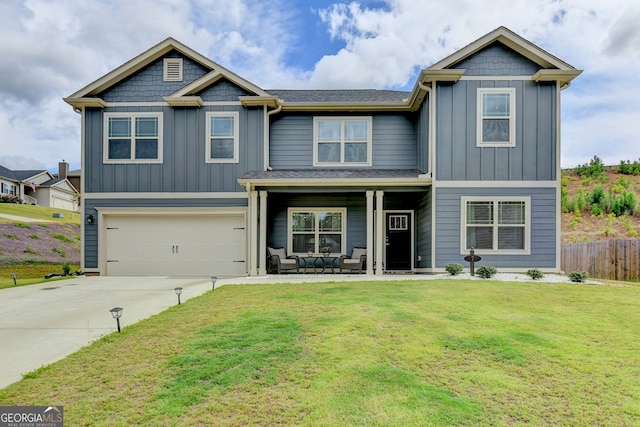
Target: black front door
x,y
398,241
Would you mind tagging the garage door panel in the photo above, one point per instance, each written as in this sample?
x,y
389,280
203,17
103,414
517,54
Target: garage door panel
x,y
175,245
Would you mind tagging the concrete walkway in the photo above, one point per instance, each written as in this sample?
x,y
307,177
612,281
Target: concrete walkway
x,y
43,323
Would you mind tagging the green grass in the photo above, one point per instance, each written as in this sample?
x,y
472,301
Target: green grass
x,y
433,352
29,274
37,212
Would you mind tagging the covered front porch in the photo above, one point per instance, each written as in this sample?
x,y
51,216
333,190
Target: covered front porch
x,y
322,212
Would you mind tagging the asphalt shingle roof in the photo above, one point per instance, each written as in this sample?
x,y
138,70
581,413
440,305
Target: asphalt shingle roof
x,y
339,96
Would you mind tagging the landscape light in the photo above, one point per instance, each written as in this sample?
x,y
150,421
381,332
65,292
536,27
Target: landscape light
x,y
116,312
14,276
178,292
213,281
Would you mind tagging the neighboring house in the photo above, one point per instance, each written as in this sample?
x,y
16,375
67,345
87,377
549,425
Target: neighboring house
x,y
38,187
190,169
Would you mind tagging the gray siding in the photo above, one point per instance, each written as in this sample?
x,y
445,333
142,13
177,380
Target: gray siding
x,y
423,230
184,168
393,141
422,136
148,85
223,90
543,227
497,60
534,155
91,231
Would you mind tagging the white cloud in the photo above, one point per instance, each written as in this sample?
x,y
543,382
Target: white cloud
x,y
54,47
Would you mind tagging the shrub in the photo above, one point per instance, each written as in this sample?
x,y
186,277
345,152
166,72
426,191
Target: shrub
x,y
486,271
60,252
34,236
628,168
10,236
593,169
22,225
597,196
454,268
578,276
596,210
30,251
535,274
66,268
62,237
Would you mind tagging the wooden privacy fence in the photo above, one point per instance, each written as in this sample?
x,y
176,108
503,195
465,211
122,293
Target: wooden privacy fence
x,y
603,259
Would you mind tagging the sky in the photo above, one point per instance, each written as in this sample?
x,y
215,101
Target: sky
x,y
52,48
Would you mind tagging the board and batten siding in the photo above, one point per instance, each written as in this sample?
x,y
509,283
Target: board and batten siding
x,y
534,156
423,224
543,227
184,167
393,141
90,240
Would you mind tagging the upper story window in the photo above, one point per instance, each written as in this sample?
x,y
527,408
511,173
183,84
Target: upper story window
x,y
172,69
500,225
496,117
133,138
342,141
222,137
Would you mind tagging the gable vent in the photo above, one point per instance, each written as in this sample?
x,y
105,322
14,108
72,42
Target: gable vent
x,y
173,69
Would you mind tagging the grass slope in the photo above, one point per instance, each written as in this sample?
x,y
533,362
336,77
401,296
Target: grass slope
x,y
581,225
435,353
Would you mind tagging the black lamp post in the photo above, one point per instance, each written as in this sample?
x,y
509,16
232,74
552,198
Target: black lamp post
x,y
213,281
116,312
14,276
178,292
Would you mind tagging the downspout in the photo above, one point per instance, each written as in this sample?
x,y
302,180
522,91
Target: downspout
x,y
432,163
266,134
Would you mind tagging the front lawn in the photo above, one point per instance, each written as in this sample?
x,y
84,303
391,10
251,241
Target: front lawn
x,y
414,353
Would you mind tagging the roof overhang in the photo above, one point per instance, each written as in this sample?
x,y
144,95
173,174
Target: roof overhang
x,y
85,102
259,101
184,101
328,183
564,77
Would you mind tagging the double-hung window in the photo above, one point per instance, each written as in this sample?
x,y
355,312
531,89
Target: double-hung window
x,y
133,138
496,117
222,137
317,230
500,225
342,141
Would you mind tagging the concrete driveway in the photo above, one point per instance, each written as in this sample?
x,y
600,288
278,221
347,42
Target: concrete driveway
x,y
40,324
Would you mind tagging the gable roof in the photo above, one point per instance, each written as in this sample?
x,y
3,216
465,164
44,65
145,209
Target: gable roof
x,y
87,96
20,175
562,70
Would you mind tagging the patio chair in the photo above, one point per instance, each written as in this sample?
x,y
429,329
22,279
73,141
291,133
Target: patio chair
x,y
357,261
278,260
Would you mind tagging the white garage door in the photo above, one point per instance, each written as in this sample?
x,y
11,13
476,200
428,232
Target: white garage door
x,y
150,245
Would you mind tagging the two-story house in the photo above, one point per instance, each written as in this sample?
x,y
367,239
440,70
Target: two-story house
x,y
190,169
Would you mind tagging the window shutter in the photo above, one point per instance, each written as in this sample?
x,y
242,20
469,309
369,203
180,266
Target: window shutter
x,y
173,70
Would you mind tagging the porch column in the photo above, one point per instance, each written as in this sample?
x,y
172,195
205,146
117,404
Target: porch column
x,y
253,236
370,234
263,234
380,243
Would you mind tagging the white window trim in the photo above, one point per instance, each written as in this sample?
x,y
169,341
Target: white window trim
x,y
495,200
512,117
343,233
167,64
342,119
236,136
132,116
